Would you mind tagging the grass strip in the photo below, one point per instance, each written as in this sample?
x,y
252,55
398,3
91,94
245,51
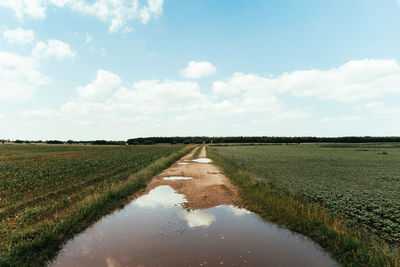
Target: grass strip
x,y
35,247
197,152
348,245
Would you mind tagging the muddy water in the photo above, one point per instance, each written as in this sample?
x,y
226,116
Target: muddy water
x,y
156,230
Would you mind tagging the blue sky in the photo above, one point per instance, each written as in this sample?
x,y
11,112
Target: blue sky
x,y
75,69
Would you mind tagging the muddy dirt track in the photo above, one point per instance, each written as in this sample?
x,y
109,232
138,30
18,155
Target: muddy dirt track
x,y
208,188
192,222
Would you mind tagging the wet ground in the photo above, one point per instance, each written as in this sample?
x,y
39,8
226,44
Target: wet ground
x,y
159,229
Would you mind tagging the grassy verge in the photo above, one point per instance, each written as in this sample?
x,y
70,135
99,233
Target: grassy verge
x,y
35,246
349,246
197,153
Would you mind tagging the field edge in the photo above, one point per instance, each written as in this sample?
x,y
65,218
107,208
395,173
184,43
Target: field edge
x,y
37,247
347,245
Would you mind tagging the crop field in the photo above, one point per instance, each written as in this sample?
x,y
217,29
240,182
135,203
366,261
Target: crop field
x,y
44,183
358,183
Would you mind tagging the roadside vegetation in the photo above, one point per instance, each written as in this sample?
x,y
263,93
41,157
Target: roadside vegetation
x,y
50,193
343,196
197,152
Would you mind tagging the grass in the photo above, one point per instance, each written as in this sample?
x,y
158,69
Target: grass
x,y
197,152
34,228
359,181
348,244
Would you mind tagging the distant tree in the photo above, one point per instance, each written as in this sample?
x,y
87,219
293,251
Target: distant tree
x,y
54,142
104,142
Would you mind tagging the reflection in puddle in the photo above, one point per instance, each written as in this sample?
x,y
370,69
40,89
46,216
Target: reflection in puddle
x,y
156,230
198,218
183,163
202,160
162,196
174,178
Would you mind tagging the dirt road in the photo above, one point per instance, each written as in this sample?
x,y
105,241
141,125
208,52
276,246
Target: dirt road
x,y
207,188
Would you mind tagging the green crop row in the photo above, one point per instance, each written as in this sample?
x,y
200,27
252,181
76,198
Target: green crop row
x,y
42,184
319,191
359,184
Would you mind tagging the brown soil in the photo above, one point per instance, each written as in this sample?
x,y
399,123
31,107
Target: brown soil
x,y
208,188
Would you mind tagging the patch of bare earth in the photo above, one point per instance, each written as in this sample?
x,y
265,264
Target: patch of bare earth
x,y
208,188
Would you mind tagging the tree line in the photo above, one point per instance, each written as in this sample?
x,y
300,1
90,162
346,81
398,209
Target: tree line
x,y
222,140
258,139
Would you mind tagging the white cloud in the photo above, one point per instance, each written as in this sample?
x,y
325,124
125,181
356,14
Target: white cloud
x,y
34,8
152,107
116,12
154,8
243,104
119,12
19,36
197,70
53,48
59,3
240,83
100,88
344,119
381,109
88,39
353,81
155,96
19,77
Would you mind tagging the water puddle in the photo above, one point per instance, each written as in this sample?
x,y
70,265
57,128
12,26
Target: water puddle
x,y
183,163
174,178
202,160
157,230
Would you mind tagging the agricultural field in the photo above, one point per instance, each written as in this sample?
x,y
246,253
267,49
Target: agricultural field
x,y
358,183
44,184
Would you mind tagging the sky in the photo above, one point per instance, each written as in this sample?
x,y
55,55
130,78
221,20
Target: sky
x,y
119,69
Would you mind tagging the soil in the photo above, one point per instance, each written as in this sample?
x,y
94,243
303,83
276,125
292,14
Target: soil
x,y
208,188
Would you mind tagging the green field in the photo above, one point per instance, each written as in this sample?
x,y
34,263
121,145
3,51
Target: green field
x,y
345,197
44,189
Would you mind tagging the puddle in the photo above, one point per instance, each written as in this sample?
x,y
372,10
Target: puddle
x,y
156,230
183,163
174,178
202,160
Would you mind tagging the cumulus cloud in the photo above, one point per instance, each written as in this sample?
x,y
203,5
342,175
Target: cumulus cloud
x,y
242,104
53,48
244,83
152,107
33,8
116,12
353,81
151,96
19,36
19,77
101,87
196,70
